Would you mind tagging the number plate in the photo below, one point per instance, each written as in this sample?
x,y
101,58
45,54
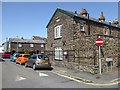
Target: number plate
x,y
45,63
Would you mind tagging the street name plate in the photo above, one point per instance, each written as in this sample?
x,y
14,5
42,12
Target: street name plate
x,y
109,59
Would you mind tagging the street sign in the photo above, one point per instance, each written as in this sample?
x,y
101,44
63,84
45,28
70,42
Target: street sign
x,y
109,60
99,41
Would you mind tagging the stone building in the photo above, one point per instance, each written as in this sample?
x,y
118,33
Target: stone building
x,y
39,38
22,45
71,41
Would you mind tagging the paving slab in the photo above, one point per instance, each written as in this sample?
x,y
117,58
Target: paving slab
x,y
108,77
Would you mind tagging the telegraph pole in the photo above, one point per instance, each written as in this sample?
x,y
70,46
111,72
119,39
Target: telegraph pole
x,y
17,45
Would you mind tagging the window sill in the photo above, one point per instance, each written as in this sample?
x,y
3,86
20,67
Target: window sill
x,y
108,35
57,38
82,31
58,60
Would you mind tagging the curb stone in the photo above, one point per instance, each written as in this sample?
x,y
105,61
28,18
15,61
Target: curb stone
x,y
115,81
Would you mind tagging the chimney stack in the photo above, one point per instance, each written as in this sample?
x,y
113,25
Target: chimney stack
x,y
76,13
115,22
101,18
83,12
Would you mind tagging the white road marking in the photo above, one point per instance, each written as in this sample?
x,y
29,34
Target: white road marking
x,y
37,71
42,74
19,78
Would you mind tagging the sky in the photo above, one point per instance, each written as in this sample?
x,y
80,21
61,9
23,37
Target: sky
x,y
27,19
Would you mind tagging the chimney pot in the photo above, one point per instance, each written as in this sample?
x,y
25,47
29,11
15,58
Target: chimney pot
x,y
75,12
101,18
83,12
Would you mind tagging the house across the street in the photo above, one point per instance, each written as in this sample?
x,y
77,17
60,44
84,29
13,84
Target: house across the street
x,y
1,50
22,45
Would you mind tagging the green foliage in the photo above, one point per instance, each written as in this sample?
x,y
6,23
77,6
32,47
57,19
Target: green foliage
x,y
26,52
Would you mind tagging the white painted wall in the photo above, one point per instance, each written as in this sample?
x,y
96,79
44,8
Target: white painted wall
x,y
1,49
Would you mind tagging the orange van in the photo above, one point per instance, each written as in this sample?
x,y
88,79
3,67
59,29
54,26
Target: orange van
x,y
22,59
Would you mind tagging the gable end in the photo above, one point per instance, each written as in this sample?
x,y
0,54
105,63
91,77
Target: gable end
x,y
62,11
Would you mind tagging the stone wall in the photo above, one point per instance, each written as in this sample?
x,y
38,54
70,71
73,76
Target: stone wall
x,y
85,58
66,32
81,47
93,69
111,49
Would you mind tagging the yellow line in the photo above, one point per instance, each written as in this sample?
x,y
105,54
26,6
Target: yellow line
x,y
93,83
117,79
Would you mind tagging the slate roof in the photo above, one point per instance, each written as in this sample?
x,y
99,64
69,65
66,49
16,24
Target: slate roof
x,y
72,14
39,38
25,40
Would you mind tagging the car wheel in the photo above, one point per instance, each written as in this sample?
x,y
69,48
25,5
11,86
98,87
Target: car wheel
x,y
34,66
20,62
16,62
26,65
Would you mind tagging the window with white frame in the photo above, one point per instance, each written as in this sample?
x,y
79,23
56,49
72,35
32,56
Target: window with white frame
x,y
9,45
31,45
58,53
42,45
106,31
57,31
19,45
82,27
57,20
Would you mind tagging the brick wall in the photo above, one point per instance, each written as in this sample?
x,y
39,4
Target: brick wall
x,y
26,46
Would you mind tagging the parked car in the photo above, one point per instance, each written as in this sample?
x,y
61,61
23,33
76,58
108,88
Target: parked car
x,y
6,55
22,58
1,60
38,61
14,56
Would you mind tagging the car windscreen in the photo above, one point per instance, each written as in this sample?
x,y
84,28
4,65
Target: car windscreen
x,y
26,56
33,57
7,53
17,55
43,57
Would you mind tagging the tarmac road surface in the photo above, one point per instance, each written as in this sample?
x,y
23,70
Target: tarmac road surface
x,y
17,76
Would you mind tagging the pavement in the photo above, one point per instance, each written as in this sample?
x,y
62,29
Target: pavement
x,y
106,79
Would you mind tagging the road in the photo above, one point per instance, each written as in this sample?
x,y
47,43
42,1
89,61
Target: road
x,y
17,76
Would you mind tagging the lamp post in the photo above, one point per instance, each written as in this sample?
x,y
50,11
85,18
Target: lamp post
x,y
110,26
88,24
17,44
6,45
